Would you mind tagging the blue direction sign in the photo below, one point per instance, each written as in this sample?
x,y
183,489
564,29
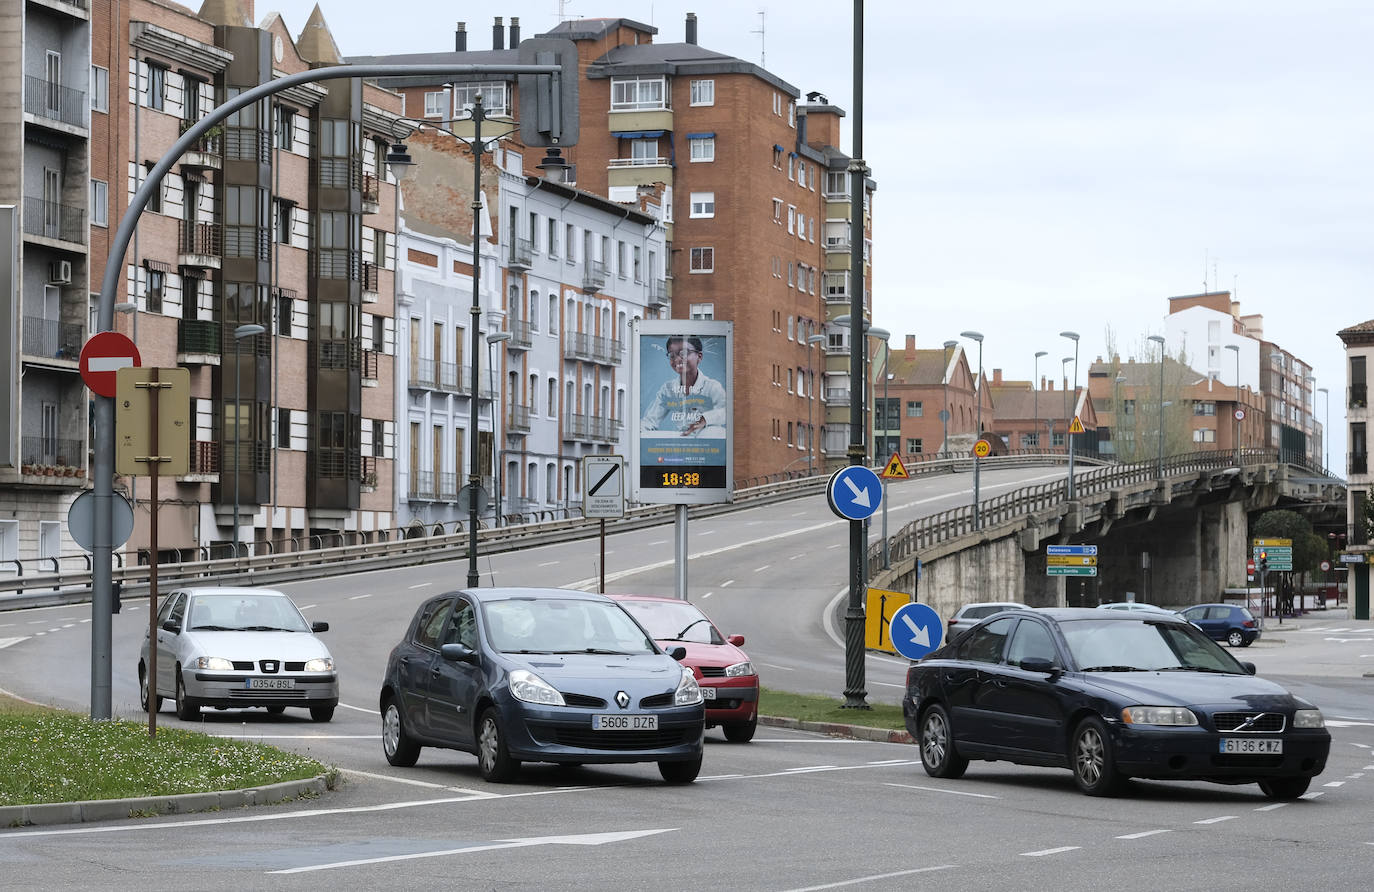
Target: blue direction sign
x,y
1071,549
915,630
854,492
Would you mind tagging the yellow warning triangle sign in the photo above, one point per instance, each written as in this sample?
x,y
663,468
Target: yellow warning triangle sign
x,y
1076,427
895,469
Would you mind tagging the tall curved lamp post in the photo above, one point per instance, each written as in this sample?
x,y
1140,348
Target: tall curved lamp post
x,y
811,341
944,410
977,462
1117,414
1326,422
247,330
883,335
1035,388
1073,336
1235,348
1307,380
496,481
1159,461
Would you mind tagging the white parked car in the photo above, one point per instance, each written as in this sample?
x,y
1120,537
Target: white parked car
x,y
239,647
971,614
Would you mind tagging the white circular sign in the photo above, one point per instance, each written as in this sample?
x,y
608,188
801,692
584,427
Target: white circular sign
x,y
1326,565
277,48
1240,414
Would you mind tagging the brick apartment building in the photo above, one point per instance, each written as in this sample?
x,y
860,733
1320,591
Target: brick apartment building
x,y
754,193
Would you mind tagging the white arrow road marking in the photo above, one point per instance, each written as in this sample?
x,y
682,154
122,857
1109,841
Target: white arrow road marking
x,y
585,839
108,363
6,642
860,495
919,634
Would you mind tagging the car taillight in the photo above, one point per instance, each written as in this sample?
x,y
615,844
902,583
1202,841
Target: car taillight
x,y
1248,623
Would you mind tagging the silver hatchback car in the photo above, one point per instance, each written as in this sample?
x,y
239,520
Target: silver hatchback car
x,y
239,647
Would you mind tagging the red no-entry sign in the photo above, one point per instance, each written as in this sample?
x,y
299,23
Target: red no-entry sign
x,y
104,354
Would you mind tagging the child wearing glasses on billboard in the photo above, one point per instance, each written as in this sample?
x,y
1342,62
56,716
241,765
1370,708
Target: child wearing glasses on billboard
x,y
691,401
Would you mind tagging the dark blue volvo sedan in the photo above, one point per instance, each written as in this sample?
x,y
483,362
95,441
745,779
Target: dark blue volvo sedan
x,y
1111,696
538,675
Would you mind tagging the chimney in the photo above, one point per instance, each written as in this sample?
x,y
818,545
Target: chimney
x,y
1049,385
910,346
460,38
997,377
692,28
498,35
514,32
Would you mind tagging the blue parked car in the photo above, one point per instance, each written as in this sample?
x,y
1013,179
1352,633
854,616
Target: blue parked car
x,y
1225,622
539,675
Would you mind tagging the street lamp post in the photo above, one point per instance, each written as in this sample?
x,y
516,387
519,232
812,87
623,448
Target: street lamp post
x,y
1159,461
1064,379
944,410
1073,336
247,330
978,424
1117,413
1308,380
1326,422
493,338
884,335
1035,386
811,341
1235,348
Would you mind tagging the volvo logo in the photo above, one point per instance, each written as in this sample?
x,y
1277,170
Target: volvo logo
x,y
1248,723
623,699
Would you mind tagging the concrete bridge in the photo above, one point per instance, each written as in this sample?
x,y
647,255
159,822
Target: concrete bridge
x,y
1172,534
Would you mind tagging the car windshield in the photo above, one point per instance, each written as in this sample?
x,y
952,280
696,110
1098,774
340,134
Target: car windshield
x,y
1148,645
244,613
674,621
558,625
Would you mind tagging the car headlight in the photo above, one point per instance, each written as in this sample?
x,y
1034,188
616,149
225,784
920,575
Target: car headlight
x,y
688,692
320,664
527,686
215,664
1308,718
739,669
1158,715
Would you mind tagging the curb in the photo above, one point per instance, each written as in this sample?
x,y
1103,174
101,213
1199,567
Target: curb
x,y
12,816
837,729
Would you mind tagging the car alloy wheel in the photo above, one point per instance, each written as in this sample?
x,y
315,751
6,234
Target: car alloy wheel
x,y
493,759
397,746
1094,768
143,690
938,756
188,710
1235,638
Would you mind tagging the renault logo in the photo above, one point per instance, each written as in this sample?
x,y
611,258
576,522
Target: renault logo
x,y
623,699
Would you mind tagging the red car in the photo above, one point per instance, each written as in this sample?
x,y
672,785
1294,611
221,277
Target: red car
x,y
727,678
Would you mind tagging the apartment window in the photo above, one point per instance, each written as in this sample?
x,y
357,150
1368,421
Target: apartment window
x,y
434,104
636,257
1057,439
703,204
777,210
157,285
284,130
1204,435
100,89
283,440
777,104
704,92
643,152
703,148
702,311
155,200
495,98
1203,407
777,267
1128,407
914,445
703,260
777,157
281,223
622,259
811,178
791,218
836,182
791,274
157,87
100,203
791,114
633,93
791,167
285,307
914,409
553,237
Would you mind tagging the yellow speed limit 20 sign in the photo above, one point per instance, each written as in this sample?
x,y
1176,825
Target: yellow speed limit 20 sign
x,y
982,449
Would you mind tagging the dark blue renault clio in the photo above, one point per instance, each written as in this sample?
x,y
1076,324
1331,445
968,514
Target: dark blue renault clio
x,y
538,675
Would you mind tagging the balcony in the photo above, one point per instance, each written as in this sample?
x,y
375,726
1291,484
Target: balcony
x,y
422,487
337,263
591,348
593,276
370,278
518,419
204,153
521,334
53,220
423,374
372,194
593,428
837,396
836,349
448,486
1357,463
452,377
204,463
52,103
521,254
658,297
199,245
1359,397
53,460
52,339
371,365
199,341
837,244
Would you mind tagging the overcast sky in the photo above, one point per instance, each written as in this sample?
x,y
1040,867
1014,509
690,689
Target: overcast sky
x,y
1058,164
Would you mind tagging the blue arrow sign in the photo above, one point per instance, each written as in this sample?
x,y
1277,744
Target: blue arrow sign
x,y
1071,549
915,630
854,492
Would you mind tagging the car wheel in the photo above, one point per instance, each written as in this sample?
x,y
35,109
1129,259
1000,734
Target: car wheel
x,y
1094,768
188,710
399,749
740,732
493,759
321,713
143,690
938,756
1284,788
276,710
1235,638
680,772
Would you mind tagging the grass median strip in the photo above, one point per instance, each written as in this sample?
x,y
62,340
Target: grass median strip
x,y
49,755
813,708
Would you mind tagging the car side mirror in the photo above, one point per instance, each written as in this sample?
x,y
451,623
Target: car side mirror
x,y
678,653
736,640
458,653
1248,667
319,627
1040,664
171,625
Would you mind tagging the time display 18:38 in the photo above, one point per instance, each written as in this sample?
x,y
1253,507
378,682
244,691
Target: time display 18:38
x,y
705,477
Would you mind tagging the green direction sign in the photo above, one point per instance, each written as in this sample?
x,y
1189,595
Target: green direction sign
x,y
1071,571
1278,551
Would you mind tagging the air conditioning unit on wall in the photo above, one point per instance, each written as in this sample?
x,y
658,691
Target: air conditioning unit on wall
x,y
60,272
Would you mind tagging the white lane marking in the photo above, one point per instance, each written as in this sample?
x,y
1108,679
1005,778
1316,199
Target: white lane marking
x,y
1143,834
707,595
55,629
6,642
838,545
86,620
548,563
415,586
1309,796
706,533
1339,723
309,607
888,684
795,556
659,542
1217,820
227,735
1050,851
938,790
798,513
893,762
68,625
360,709
878,876
761,569
1334,784
36,622
776,666
727,582
1355,776
810,768
359,597
5,625
1271,807
476,794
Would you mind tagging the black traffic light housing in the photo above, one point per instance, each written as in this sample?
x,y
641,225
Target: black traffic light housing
x,y
1264,562
548,102
116,589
